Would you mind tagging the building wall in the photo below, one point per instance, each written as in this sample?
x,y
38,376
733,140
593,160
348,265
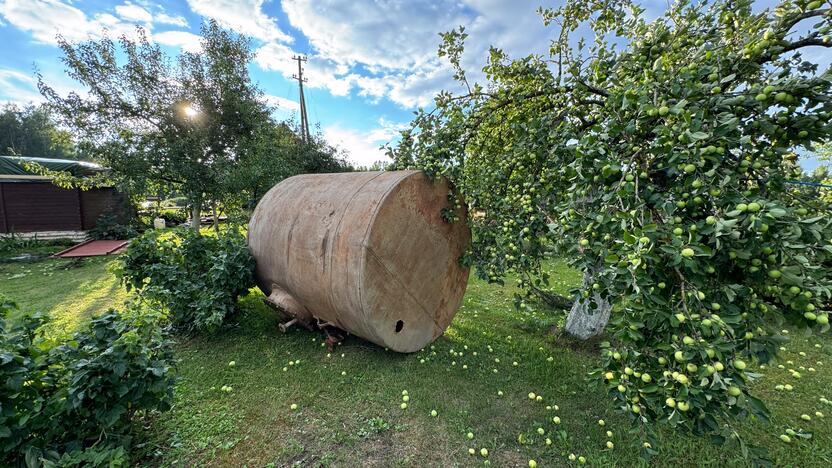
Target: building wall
x,y
2,211
96,202
41,206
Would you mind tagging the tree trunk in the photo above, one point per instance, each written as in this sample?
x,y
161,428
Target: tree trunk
x,y
196,213
216,216
584,320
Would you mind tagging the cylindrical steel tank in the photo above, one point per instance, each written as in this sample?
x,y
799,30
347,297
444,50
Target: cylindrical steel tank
x,y
368,251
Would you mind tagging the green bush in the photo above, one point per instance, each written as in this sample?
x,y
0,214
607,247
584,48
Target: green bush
x,y
72,402
106,456
13,242
172,216
109,227
198,278
175,202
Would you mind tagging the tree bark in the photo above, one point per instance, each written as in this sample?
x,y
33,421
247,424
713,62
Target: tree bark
x,y
216,216
196,213
588,316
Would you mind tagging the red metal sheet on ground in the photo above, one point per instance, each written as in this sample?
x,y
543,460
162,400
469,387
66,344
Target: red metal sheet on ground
x,y
93,248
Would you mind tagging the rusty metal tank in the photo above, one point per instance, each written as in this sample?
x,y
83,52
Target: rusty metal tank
x,y
367,251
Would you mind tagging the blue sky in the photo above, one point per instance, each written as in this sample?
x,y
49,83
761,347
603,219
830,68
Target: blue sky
x,y
371,62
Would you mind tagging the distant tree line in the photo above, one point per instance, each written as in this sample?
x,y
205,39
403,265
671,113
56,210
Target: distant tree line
x,y
31,131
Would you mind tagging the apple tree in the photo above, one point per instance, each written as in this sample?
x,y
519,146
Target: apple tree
x,y
189,126
655,156
824,154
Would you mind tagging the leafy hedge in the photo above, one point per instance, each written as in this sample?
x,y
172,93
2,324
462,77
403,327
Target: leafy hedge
x,y
71,403
198,278
173,216
109,226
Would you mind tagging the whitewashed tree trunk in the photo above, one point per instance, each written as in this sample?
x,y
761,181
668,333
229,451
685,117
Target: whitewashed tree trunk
x,y
589,316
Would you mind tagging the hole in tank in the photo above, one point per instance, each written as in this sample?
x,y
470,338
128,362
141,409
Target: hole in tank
x,y
399,326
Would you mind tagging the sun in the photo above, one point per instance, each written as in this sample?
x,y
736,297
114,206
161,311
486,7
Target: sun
x,y
190,111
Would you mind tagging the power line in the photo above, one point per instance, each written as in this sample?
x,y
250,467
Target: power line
x,y
304,120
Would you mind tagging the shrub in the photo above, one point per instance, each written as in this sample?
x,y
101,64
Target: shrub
x,y
197,277
175,202
72,403
108,227
13,242
106,456
172,216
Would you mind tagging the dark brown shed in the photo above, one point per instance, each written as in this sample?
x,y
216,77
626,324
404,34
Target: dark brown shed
x,y
30,203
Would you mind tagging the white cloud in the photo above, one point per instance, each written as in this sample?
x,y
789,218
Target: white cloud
x,y
188,42
276,57
363,147
381,34
387,49
406,88
381,49
321,72
132,12
140,14
244,16
164,18
410,89
282,108
18,87
21,88
45,19
282,103
512,26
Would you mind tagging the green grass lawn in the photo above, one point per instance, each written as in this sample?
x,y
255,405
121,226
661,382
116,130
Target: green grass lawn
x,y
349,401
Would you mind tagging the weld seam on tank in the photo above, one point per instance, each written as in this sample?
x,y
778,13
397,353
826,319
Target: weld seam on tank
x,y
331,259
365,310
289,236
337,232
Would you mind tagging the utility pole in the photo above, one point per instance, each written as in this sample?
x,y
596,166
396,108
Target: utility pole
x,y
304,120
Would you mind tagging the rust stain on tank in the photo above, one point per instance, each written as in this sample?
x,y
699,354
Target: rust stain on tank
x,y
368,251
